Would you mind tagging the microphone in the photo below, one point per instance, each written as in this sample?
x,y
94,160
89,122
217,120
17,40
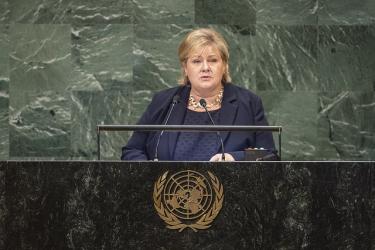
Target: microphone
x,y
203,103
175,100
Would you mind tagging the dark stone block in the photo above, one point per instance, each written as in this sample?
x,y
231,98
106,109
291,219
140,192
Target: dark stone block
x,y
109,205
3,209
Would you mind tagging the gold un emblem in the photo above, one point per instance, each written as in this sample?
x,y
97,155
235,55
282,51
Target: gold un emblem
x,y
188,200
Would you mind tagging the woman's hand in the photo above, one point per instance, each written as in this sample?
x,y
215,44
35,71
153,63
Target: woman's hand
x,y
217,157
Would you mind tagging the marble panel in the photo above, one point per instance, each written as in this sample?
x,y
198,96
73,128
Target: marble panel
x,y
346,12
297,113
242,60
346,125
40,11
286,58
69,11
111,107
4,52
40,58
240,12
4,92
346,58
130,46
4,11
4,120
39,42
166,11
289,12
156,64
102,12
39,125
102,57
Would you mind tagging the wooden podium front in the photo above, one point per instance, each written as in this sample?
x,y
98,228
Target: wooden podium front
x,y
130,205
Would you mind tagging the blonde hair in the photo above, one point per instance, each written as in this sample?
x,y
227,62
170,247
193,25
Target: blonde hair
x,y
198,39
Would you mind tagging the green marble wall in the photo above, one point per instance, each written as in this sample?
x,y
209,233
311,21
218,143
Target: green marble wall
x,y
68,65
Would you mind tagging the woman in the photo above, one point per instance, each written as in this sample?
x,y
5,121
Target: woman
x,y
203,56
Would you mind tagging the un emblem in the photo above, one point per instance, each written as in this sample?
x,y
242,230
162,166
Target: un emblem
x,y
188,199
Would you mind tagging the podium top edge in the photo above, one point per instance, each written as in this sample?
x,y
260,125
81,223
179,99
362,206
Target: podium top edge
x,y
187,128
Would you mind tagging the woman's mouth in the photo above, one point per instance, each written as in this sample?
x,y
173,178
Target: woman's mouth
x,y
205,78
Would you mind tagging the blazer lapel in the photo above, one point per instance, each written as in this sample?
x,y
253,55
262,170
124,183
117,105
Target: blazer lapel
x,y
228,111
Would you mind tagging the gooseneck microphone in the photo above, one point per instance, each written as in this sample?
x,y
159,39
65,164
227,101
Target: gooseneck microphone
x,y
175,100
203,103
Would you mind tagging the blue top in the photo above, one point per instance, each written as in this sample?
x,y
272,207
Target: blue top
x,y
197,146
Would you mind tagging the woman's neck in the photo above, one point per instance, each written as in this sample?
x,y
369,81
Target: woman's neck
x,y
209,96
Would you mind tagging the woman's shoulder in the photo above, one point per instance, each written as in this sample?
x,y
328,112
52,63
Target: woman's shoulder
x,y
161,101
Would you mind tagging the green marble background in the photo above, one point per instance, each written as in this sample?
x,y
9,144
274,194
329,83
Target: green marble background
x,y
68,65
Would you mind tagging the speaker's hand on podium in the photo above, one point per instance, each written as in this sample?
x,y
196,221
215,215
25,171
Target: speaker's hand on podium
x,y
217,157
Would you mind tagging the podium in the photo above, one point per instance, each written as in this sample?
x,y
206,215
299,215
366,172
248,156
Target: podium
x,y
111,205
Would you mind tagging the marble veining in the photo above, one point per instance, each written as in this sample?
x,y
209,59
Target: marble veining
x,y
346,12
4,92
41,128
98,65
346,58
92,108
350,119
286,58
167,11
287,12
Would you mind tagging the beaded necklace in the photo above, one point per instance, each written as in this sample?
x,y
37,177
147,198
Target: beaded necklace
x,y
216,103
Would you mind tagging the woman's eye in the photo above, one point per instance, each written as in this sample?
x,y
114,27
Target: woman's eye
x,y
213,60
196,61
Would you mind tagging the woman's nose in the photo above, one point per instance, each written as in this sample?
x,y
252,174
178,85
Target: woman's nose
x,y
205,66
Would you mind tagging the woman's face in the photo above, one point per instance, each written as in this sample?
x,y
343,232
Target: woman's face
x,y
205,70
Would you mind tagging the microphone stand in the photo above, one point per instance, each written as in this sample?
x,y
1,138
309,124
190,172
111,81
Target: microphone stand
x,y
203,103
176,99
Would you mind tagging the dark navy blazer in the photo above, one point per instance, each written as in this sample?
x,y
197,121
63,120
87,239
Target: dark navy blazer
x,y
239,107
